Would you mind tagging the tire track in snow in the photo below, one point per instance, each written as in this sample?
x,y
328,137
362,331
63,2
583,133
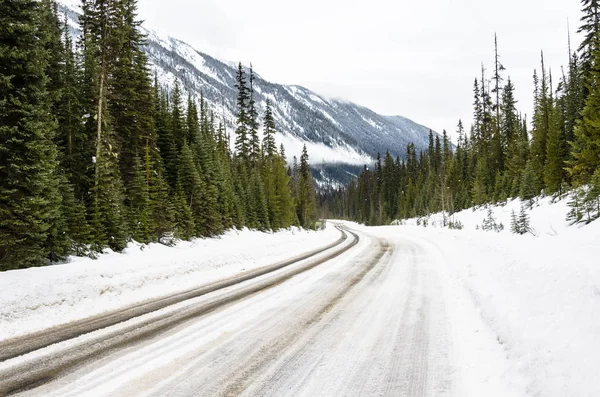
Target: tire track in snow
x,y
34,373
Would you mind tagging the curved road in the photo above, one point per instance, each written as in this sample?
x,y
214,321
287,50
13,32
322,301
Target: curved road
x,y
367,321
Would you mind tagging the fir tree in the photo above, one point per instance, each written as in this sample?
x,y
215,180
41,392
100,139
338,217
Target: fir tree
x,y
29,198
305,196
184,219
269,147
242,140
586,147
253,125
178,127
165,141
554,168
77,229
192,187
590,26
138,203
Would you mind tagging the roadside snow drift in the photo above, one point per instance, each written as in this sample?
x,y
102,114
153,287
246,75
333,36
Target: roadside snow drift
x,y
539,295
38,298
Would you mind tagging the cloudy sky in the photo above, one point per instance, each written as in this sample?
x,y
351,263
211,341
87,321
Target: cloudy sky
x,y
412,58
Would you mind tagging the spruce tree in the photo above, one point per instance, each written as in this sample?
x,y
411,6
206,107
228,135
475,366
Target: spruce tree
x,y
590,26
192,187
138,203
586,147
269,147
185,227
101,48
242,140
165,141
554,167
78,232
306,201
253,124
130,93
178,124
30,202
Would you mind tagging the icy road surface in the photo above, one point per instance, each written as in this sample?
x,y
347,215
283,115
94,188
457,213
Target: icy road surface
x,y
378,320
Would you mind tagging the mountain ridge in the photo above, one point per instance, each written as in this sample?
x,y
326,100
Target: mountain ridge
x,y
341,136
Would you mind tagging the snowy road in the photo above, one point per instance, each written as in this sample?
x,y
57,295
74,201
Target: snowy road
x,y
370,321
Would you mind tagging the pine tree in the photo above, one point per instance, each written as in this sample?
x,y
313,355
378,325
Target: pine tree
x,y
138,203
258,201
285,215
210,224
541,123
577,205
514,223
165,141
590,26
305,198
253,125
184,219
524,222
160,206
242,140
192,187
101,47
70,137
269,147
77,229
29,198
554,168
177,118
586,147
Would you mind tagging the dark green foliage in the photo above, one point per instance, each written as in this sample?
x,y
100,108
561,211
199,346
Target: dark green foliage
x,y
554,170
586,147
305,193
590,26
78,231
520,224
269,147
185,227
500,158
29,198
165,141
253,125
242,140
138,203
108,208
178,127
92,156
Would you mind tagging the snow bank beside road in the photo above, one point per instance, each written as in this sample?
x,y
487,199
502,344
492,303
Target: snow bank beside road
x,y
37,298
540,296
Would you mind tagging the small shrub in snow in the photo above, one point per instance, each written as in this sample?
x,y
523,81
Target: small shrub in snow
x,y
455,225
585,202
489,223
168,239
520,224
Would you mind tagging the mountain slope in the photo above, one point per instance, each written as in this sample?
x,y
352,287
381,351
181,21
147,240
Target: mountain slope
x,y
340,136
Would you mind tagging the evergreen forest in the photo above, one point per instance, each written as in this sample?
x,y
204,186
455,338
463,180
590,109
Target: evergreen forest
x,y
503,155
95,153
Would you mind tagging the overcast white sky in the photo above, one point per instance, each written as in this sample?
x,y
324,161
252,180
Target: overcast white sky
x,y
413,58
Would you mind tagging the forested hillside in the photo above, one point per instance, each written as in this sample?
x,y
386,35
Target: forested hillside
x,y
93,153
503,154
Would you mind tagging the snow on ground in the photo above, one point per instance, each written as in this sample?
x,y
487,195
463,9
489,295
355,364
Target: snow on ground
x,y
538,295
38,298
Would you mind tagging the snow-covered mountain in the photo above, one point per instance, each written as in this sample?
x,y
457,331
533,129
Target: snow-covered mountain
x,y
341,136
